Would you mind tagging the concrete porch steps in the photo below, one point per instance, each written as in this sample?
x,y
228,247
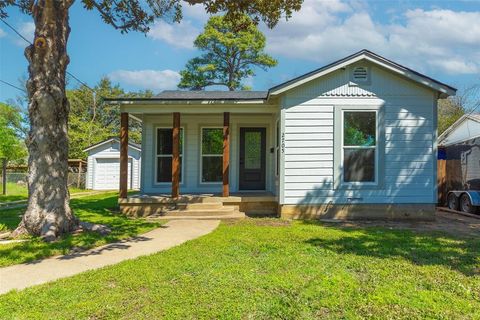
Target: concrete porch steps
x,y
203,210
235,215
200,206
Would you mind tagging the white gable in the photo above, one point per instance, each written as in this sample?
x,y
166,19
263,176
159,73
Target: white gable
x,y
340,84
465,128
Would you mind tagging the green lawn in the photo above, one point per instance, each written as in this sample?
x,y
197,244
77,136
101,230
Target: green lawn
x,y
96,209
16,192
266,269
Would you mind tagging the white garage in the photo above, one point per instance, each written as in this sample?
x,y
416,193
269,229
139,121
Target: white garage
x,y
103,165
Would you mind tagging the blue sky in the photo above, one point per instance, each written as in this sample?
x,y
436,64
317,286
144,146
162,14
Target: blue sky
x,y
439,38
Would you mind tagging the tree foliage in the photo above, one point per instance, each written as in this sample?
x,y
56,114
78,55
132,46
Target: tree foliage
x,y
452,108
91,120
135,15
231,50
12,146
449,111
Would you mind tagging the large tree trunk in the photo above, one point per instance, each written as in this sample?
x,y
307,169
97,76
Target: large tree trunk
x,y
48,213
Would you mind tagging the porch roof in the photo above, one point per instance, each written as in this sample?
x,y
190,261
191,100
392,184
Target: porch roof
x,y
200,96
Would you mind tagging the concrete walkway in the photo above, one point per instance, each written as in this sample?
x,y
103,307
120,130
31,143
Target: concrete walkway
x,y
169,235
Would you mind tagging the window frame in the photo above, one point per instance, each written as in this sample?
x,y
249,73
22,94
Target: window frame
x,y
156,155
200,173
343,147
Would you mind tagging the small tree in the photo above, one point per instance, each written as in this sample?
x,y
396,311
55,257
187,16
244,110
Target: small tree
x,y
48,212
232,49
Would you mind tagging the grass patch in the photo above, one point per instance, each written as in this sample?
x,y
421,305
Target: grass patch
x,y
261,270
17,192
96,209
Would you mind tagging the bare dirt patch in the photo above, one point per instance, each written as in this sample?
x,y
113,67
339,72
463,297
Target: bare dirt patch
x,y
445,222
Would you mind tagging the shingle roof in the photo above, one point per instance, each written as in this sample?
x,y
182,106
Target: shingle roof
x,y
211,95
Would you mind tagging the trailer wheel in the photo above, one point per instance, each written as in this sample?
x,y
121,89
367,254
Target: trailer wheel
x,y
466,204
452,202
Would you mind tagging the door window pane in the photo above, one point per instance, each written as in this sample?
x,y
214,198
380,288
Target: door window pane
x,y
253,150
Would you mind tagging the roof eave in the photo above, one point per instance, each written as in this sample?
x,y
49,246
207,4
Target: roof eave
x,y
93,146
443,89
127,101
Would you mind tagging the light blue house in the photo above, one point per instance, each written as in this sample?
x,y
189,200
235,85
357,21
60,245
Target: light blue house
x,y
354,139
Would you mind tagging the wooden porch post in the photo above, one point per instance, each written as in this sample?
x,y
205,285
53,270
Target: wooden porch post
x,y
176,155
226,153
123,154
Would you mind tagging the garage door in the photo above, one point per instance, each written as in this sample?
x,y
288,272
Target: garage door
x,y
107,174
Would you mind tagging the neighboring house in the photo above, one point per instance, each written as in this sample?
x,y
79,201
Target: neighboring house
x,y
103,165
465,128
459,145
354,139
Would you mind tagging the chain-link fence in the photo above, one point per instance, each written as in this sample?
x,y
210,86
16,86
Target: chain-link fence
x,y
75,179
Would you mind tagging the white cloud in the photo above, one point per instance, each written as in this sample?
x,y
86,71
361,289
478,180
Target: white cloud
x,y
196,12
26,29
155,80
326,30
180,35
2,33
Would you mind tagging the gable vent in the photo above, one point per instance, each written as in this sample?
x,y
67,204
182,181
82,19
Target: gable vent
x,y
360,74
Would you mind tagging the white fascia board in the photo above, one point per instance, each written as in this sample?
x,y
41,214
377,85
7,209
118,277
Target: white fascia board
x,y
446,91
153,108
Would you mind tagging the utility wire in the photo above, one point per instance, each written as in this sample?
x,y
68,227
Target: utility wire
x,y
12,85
29,42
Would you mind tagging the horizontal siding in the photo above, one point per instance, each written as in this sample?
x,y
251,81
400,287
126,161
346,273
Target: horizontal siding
x,y
308,164
306,143
297,158
408,123
309,151
310,129
309,136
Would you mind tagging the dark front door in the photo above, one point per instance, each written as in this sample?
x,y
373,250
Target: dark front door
x,y
252,158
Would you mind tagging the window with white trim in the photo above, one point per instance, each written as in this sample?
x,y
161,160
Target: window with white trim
x,y
164,155
212,155
359,147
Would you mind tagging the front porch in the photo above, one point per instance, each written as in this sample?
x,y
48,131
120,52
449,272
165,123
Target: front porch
x,y
202,157
200,206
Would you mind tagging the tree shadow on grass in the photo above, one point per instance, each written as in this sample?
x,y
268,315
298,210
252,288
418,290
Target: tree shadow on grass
x,y
100,211
426,248
9,198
